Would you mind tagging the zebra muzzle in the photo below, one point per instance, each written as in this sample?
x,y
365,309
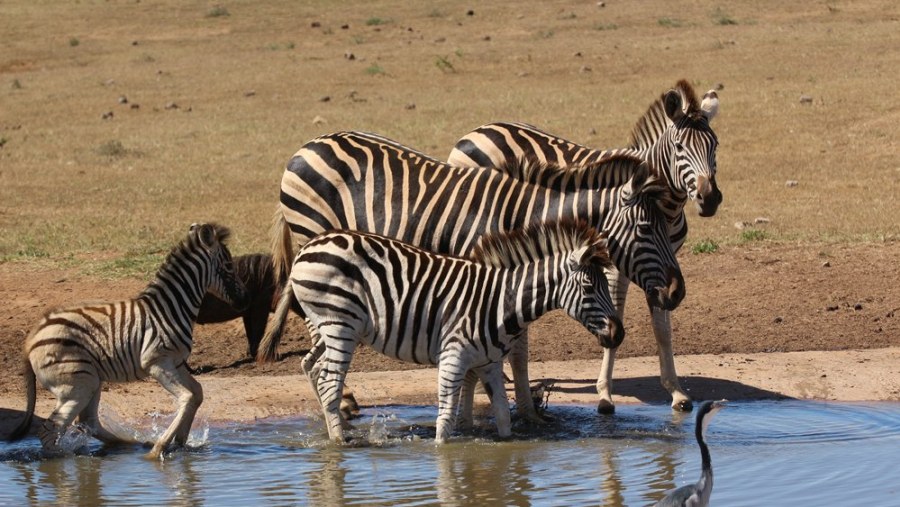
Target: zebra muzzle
x,y
669,297
613,335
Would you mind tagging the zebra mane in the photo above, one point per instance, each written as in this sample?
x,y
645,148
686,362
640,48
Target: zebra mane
x,y
221,233
546,174
655,121
540,240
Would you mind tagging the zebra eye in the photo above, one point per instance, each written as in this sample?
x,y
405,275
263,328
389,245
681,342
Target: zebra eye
x,y
679,146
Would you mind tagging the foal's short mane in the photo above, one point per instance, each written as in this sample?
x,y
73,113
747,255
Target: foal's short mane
x,y
549,174
655,120
221,233
540,240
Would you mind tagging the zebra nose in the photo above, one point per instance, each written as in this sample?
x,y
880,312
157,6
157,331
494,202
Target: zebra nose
x,y
615,333
668,297
709,197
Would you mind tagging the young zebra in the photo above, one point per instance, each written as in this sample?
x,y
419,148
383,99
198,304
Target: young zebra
x,y
73,350
361,181
674,135
459,314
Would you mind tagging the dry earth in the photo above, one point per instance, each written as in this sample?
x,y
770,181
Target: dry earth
x,y
760,320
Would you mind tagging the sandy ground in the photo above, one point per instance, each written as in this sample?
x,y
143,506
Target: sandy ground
x,y
760,321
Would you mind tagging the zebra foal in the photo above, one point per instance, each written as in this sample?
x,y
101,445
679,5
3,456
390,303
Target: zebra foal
x,y
459,314
73,350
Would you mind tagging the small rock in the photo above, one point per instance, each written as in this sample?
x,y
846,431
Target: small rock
x,y
123,99
741,225
350,56
779,319
249,93
135,106
315,24
318,120
592,132
410,106
805,99
107,115
134,43
577,54
486,38
585,68
823,376
601,4
109,82
826,264
858,306
791,183
326,98
761,220
831,308
440,39
470,12
171,105
345,27
719,86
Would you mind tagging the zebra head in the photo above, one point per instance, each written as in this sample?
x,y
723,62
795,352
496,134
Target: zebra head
x,y
591,304
639,238
693,146
210,241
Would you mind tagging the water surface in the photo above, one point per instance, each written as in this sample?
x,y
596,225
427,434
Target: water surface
x,y
790,453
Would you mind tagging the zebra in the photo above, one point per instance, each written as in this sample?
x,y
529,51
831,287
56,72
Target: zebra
x,y
674,135
74,349
361,181
459,314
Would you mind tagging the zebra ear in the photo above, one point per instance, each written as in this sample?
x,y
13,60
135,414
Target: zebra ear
x,y
637,181
710,104
581,257
206,233
674,105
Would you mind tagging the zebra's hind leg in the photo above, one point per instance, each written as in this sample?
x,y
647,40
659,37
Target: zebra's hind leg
x,y
465,419
71,400
452,371
189,395
331,370
492,377
310,360
662,329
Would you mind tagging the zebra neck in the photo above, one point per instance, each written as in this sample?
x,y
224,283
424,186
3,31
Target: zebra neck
x,y
179,289
534,293
659,156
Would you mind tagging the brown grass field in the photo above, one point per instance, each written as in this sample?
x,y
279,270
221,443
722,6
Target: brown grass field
x,y
122,122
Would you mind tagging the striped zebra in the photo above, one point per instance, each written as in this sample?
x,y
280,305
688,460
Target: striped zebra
x,y
73,350
359,181
674,136
459,314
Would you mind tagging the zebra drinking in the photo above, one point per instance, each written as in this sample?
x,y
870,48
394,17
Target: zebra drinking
x,y
674,136
359,181
73,350
459,314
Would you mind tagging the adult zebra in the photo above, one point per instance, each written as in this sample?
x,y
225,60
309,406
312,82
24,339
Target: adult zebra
x,y
73,350
459,314
359,181
674,136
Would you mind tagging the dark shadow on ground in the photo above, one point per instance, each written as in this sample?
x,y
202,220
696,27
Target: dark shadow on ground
x,y
649,390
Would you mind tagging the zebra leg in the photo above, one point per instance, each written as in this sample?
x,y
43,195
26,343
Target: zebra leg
x,y
331,370
618,290
308,365
492,377
71,400
662,329
452,370
518,361
465,419
189,395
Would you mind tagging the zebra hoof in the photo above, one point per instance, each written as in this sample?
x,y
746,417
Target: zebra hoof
x,y
683,406
606,408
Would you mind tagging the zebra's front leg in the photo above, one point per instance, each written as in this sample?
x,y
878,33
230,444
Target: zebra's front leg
x,y
518,361
662,329
188,394
452,369
618,290
492,377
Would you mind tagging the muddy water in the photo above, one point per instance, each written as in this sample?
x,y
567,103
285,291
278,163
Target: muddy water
x,y
772,453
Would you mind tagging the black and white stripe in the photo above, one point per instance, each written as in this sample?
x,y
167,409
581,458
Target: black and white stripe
x,y
674,136
359,181
459,314
73,350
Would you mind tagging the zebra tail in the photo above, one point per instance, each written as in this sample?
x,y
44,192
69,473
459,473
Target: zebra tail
x,y
268,348
30,388
282,253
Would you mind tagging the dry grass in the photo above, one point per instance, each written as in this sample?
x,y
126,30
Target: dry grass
x,y
79,188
